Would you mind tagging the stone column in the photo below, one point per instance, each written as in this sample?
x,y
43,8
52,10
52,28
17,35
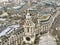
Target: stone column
x,y
9,41
16,39
19,38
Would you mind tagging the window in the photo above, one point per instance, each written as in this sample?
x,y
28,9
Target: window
x,y
31,29
28,29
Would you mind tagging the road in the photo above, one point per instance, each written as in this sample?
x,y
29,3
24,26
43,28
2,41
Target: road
x,y
56,24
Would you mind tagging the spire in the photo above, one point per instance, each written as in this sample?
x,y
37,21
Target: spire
x,y
28,12
29,4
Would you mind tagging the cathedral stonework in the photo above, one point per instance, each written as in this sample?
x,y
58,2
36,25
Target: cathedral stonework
x,y
29,22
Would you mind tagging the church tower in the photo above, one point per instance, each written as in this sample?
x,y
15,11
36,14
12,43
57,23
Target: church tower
x,y
29,29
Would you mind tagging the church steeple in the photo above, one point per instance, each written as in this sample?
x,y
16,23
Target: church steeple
x,y
29,28
28,12
29,3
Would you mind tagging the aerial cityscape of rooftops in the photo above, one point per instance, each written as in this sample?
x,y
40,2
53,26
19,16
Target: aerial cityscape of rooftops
x,y
29,22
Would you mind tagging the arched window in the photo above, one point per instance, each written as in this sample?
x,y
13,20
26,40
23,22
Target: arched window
x,y
28,29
